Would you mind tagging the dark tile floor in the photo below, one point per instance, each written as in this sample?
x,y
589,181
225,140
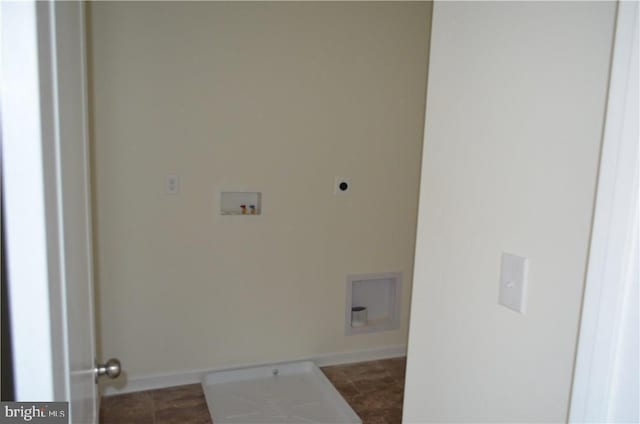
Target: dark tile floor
x,y
373,389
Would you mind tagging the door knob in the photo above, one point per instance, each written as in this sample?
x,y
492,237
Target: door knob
x,y
111,368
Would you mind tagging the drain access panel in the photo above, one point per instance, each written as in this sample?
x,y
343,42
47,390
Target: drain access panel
x,y
296,392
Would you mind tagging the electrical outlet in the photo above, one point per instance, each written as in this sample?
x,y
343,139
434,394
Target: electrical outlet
x,y
172,184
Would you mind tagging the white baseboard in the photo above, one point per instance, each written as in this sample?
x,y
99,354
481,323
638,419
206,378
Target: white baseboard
x,y
328,359
159,381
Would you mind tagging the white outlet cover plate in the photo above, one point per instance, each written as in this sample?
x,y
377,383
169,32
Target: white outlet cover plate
x,y
514,271
172,184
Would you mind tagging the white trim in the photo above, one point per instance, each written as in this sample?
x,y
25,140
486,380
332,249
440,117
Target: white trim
x,y
24,133
360,356
610,279
158,381
52,168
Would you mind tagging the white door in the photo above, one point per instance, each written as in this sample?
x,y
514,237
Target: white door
x,y
47,205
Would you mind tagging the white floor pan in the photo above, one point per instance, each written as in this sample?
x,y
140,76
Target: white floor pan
x,y
296,392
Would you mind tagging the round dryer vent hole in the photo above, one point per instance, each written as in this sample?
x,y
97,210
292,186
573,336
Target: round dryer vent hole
x,y
342,185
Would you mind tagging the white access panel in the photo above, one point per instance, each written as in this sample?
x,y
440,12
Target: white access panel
x,y
296,392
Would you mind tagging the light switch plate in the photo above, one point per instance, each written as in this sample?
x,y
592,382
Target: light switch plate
x,y
514,271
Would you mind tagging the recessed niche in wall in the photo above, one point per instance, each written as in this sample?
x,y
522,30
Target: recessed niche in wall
x,y
380,294
240,203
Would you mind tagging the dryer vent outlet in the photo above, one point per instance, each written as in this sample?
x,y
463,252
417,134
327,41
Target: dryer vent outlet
x,y
342,185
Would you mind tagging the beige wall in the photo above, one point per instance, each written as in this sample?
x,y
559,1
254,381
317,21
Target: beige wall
x,y
515,111
279,97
